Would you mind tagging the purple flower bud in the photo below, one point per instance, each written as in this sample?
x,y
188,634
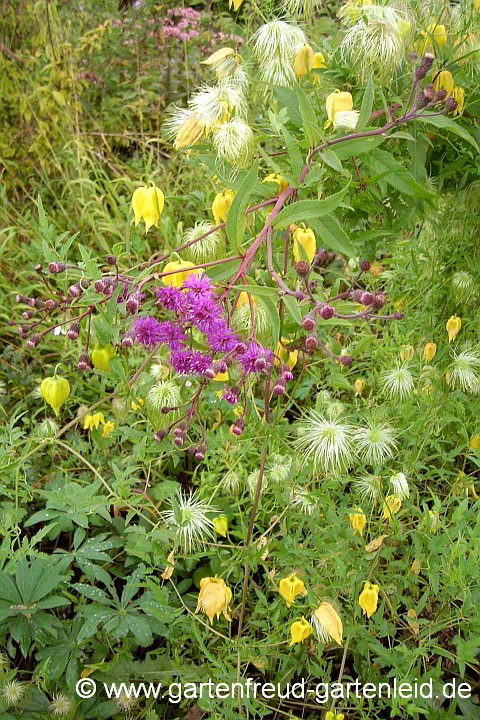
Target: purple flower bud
x,y
127,341
379,300
308,323
20,299
73,331
366,298
240,348
111,259
192,449
61,267
75,290
287,376
84,363
311,343
210,373
100,285
33,341
346,360
200,454
302,268
327,312
364,265
425,66
84,283
358,295
260,364
178,440
278,388
50,304
31,302
23,331
27,314
451,103
299,295
321,257
236,430
159,435
53,267
240,423
131,304
429,92
38,267
398,315
440,95
222,367
165,410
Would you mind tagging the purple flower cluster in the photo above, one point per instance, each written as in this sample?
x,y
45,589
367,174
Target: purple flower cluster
x,y
181,23
196,305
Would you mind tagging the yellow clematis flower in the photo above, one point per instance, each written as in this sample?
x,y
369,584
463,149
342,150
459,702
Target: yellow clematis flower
x,y
148,202
318,63
368,599
220,524
235,4
306,238
303,60
358,520
101,356
474,442
221,377
290,587
331,714
330,621
359,386
439,35
55,390
429,351
168,572
391,506
300,630
214,598
458,94
221,205
337,102
453,327
444,81
93,421
141,403
177,279
278,180
281,350
107,428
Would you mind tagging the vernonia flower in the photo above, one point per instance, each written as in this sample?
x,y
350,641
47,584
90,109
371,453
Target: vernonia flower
x,y
358,520
55,390
399,485
375,443
327,623
398,382
300,630
234,142
463,371
214,598
328,440
221,205
306,238
188,517
147,203
368,599
391,506
290,587
274,47
211,247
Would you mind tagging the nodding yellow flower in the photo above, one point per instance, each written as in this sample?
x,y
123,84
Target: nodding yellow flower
x,y
474,442
177,279
107,428
453,326
437,32
290,587
406,353
358,520
281,350
391,506
214,598
168,572
306,238
148,202
278,179
368,599
458,95
318,63
220,524
331,714
55,390
101,356
189,132
328,622
235,4
221,205
429,351
300,630
337,102
93,421
303,60
359,386
141,403
444,81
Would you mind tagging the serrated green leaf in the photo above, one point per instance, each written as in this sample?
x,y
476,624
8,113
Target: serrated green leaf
x,y
236,214
90,265
288,99
312,131
446,123
257,290
294,155
330,158
366,109
272,313
398,176
304,210
333,235
357,146
293,308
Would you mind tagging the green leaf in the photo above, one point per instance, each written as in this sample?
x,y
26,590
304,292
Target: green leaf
x,y
304,210
236,217
288,99
258,290
446,123
90,265
92,593
271,309
399,177
294,155
358,146
333,235
141,629
293,308
331,159
366,109
312,131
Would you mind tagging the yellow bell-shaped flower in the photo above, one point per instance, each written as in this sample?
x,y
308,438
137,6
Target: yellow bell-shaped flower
x,y
177,279
429,351
391,506
214,598
437,32
281,351
290,587
220,524
330,621
458,95
221,205
148,202
444,81
93,421
300,630
306,238
55,390
108,428
303,60
318,63
101,356
278,180
337,102
368,599
359,386
235,4
358,520
453,327
331,714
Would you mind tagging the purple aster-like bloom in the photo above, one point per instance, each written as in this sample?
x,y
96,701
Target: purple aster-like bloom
x,y
187,362
199,284
230,394
221,338
253,353
171,298
148,331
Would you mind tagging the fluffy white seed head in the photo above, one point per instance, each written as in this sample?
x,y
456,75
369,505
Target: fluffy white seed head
x,y
369,488
208,248
327,441
275,44
464,371
375,442
398,382
234,142
399,485
188,517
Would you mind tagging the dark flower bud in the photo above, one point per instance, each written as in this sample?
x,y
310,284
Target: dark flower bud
x,y
311,343
27,314
165,410
83,363
192,449
61,267
451,103
100,285
364,265
73,331
425,66
210,373
398,315
159,435
429,92
240,423
321,257
313,285
358,295
131,304
299,295
127,341
440,95
75,290
279,388
308,323
33,341
302,267
38,267
50,304
23,331
53,267
236,430
222,367
379,300
31,302
84,283
287,375
326,312
260,364
178,440
20,299
346,360
366,298
111,259
240,348
200,454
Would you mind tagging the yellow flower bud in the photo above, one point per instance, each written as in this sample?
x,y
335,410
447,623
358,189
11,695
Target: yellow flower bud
x,y
220,524
55,390
300,630
444,81
107,428
407,352
148,202
177,279
358,520
306,238
359,386
330,621
221,205
101,356
429,351
391,506
290,587
303,61
214,598
368,599
453,327
168,572
335,102
475,442
278,179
